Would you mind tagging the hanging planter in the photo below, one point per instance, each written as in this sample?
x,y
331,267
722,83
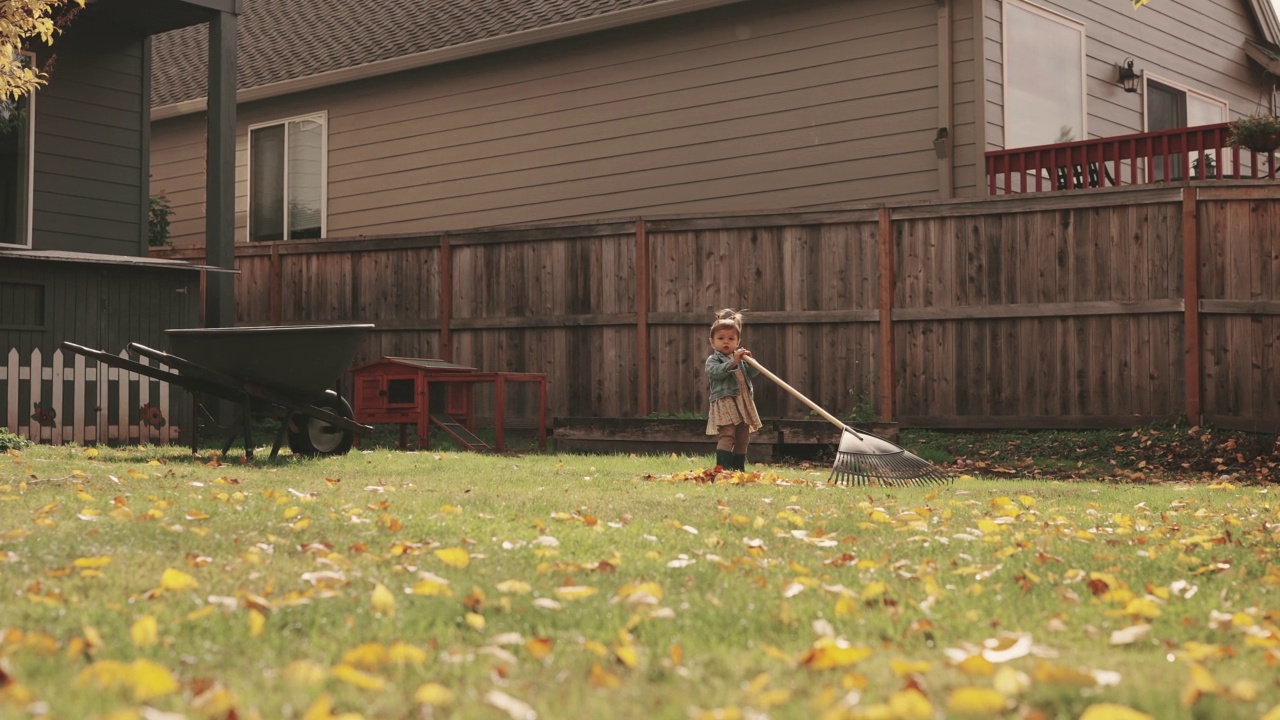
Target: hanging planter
x,y
1259,133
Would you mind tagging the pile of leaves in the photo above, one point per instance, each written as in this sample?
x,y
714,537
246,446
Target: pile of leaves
x,y
1155,453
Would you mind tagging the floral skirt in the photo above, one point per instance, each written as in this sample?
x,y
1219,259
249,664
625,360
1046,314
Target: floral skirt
x,y
734,409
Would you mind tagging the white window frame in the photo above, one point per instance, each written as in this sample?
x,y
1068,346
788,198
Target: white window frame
x,y
1151,77
323,118
31,164
1067,22
1226,116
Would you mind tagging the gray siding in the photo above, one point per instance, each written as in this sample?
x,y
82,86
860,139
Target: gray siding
x,y
1199,45
90,178
759,106
101,305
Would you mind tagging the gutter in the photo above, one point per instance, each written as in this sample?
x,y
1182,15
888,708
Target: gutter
x,y
439,56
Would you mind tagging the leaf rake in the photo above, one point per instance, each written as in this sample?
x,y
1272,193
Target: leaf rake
x,y
865,459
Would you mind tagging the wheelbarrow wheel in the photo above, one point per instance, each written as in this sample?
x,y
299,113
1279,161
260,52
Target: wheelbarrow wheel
x,y
313,436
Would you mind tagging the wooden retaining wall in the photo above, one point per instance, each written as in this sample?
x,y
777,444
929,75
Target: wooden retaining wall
x,y
1113,307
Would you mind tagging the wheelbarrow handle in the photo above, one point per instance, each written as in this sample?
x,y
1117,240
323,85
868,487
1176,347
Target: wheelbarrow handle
x,y
798,395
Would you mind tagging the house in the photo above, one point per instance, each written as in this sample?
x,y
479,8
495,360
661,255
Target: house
x,y
379,118
74,201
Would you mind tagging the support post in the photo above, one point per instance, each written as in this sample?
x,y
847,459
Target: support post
x,y
642,319
887,357
1191,302
220,190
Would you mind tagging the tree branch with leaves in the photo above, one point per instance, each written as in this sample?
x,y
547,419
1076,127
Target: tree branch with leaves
x,y
22,21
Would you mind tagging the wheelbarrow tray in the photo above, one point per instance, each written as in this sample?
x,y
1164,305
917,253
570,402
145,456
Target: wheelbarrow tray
x,y
289,367
301,361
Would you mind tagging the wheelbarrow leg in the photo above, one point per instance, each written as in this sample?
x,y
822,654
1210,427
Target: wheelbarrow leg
x,y
195,422
248,428
284,428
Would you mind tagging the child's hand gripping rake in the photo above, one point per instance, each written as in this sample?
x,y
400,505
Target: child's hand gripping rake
x,y
866,459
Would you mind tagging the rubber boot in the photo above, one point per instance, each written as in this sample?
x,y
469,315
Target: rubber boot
x,y
724,458
740,462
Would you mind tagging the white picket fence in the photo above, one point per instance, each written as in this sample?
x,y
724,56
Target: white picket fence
x,y
81,392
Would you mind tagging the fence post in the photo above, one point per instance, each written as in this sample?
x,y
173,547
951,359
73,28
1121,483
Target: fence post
x,y
1191,302
887,357
642,318
276,291
445,268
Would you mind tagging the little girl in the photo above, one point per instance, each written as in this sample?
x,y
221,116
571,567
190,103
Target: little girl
x,y
733,408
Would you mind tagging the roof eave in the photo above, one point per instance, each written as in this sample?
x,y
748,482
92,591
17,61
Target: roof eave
x,y
1268,58
487,46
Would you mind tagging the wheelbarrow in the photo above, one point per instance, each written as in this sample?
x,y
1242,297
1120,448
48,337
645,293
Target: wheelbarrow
x,y
283,371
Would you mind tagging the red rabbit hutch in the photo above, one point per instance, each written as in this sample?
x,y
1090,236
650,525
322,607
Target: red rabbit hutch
x,y
424,392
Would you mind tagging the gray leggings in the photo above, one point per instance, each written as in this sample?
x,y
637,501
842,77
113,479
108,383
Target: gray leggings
x,y
733,438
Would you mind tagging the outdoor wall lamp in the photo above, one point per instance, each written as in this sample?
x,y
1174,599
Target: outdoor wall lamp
x,y
1128,76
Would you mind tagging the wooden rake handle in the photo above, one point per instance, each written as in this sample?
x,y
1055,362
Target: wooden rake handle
x,y
798,395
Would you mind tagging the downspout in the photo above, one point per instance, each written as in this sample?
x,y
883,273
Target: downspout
x,y
942,141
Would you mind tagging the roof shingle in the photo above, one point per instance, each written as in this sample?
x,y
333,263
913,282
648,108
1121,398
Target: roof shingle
x,y
282,40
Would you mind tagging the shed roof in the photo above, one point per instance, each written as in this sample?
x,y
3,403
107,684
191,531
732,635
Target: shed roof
x,y
291,45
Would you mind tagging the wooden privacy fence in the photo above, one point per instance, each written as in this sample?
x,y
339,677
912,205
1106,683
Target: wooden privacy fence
x,y
1115,307
63,398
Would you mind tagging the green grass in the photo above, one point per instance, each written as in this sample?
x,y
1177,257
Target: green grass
x,y
778,562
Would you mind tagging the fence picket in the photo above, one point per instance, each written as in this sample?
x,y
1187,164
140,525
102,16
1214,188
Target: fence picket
x,y
78,395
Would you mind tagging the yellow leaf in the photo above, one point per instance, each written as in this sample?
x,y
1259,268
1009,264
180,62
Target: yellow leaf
x,y
976,666
601,678
514,587
176,581
257,623
454,557
434,694
145,632
321,709
475,620
902,668
91,453
1272,714
367,656
402,653
91,562
305,672
827,654
846,607
976,701
432,588
575,592
150,680
358,678
627,656
384,603
1112,711
910,705
1143,607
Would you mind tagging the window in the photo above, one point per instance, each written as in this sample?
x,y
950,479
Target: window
x,y
1170,106
17,139
287,179
1043,77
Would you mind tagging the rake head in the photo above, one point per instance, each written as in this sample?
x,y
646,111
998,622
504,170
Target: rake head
x,y
869,460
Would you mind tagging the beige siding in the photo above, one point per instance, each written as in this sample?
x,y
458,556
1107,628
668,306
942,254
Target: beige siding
x,y
757,106
964,135
1198,44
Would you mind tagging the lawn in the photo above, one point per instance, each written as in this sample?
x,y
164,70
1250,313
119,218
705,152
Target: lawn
x,y
145,583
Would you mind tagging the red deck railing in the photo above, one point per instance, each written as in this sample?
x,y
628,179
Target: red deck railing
x,y
1198,152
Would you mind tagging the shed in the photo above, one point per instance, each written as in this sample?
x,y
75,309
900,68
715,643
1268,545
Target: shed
x,y
429,391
